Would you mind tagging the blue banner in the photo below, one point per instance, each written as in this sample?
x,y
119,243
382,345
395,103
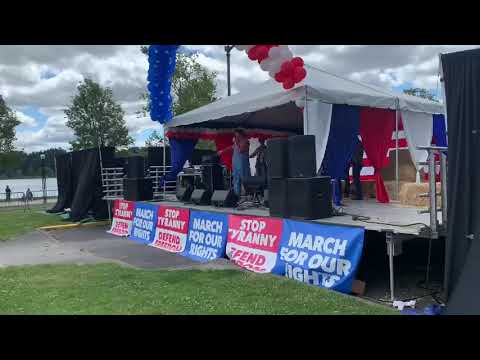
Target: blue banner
x,y
321,255
144,223
207,236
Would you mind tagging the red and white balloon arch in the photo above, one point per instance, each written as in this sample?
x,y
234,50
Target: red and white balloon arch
x,y
278,61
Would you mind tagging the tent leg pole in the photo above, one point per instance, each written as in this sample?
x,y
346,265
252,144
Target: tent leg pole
x,y
390,250
397,183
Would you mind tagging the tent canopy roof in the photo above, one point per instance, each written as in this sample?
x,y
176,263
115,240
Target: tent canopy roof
x,y
318,85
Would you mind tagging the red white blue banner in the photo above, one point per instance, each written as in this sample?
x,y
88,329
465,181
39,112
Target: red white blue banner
x,y
122,218
172,229
253,242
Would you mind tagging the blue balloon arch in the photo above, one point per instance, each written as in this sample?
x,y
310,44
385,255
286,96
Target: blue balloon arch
x,y
161,61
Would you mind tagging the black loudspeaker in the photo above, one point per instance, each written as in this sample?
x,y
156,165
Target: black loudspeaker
x,y
201,197
135,167
310,198
184,193
278,198
212,177
302,161
277,158
137,189
224,198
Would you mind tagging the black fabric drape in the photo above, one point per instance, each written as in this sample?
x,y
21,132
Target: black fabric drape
x,y
461,73
64,183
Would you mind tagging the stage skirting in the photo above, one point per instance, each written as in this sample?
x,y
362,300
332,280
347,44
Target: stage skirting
x,y
317,254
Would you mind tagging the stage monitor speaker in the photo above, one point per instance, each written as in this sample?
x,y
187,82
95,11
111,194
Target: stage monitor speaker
x,y
184,193
224,198
278,198
135,167
277,156
201,197
302,161
137,189
310,198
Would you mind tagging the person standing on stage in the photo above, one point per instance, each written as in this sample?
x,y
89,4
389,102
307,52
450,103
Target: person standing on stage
x,y
260,164
357,164
241,160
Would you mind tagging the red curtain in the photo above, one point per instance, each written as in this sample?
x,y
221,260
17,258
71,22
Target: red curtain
x,y
376,127
223,141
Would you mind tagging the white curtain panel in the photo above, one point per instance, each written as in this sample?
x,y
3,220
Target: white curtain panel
x,y
418,129
317,117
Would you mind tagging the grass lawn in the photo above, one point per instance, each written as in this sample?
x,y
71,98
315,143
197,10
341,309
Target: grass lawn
x,y
113,289
16,221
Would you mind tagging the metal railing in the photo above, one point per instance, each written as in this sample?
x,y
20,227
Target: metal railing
x,y
435,226
112,183
161,190
19,198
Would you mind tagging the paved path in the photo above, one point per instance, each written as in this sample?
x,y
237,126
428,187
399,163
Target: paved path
x,y
91,244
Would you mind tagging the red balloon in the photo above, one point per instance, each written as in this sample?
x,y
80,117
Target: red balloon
x,y
288,83
287,68
280,77
299,74
297,61
261,53
252,53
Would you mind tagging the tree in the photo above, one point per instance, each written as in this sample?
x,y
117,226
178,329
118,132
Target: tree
x,y
193,85
155,139
8,122
420,92
96,118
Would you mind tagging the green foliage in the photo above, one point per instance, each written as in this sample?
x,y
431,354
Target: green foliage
x,y
420,92
96,118
8,122
18,164
112,289
193,85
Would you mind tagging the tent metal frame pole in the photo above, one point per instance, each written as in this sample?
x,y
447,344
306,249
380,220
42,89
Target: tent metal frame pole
x,y
164,166
397,179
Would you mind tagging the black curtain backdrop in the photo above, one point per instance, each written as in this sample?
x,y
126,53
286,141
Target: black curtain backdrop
x,y
88,192
64,183
461,73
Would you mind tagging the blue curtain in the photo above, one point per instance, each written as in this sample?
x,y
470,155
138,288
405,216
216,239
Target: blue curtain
x,y
180,152
342,142
439,130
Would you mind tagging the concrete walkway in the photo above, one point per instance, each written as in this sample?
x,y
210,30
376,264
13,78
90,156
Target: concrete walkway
x,y
91,244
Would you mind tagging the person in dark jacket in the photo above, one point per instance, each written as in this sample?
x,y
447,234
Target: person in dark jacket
x,y
357,164
8,193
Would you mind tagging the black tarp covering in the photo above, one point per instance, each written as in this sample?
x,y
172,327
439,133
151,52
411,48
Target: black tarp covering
x,y
461,73
88,192
64,183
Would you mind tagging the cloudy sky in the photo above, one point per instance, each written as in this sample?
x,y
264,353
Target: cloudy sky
x,y
39,81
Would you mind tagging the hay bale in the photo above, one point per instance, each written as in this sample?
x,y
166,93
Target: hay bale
x,y
410,194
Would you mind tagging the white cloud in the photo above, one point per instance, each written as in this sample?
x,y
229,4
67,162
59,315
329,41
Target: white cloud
x,y
26,120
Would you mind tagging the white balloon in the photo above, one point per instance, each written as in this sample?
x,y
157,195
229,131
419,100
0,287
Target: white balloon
x,y
300,103
266,64
274,52
276,65
244,47
285,52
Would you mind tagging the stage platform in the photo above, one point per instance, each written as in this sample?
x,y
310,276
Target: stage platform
x,y
393,217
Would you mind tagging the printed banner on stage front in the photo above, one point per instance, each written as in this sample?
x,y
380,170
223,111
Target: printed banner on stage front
x,y
321,255
207,236
122,218
172,229
253,242
144,220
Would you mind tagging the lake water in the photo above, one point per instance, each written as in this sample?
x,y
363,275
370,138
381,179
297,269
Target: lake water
x,y
35,185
